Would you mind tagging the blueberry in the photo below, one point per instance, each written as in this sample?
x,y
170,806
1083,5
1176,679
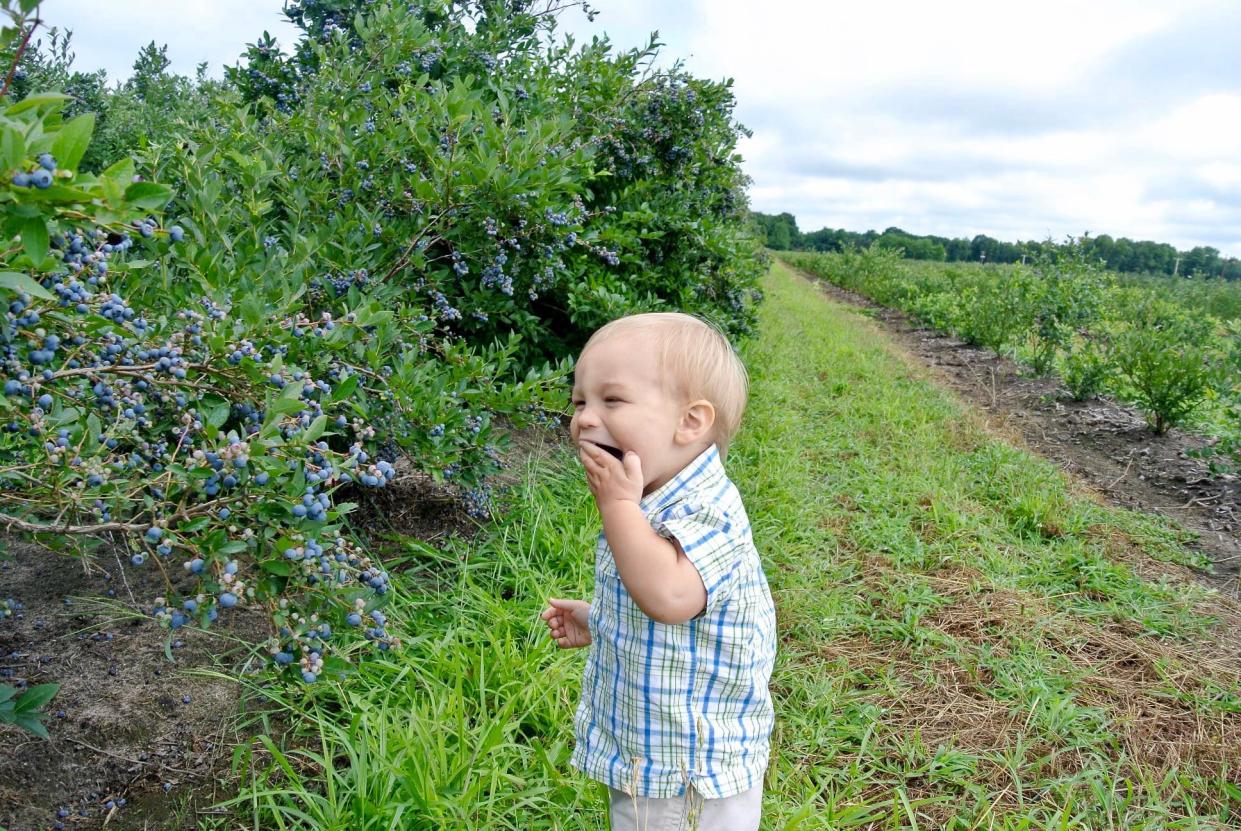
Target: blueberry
x,y
228,600
138,559
176,233
41,179
154,533
47,162
45,401
308,676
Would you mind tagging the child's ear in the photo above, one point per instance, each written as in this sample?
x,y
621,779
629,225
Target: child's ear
x,y
696,421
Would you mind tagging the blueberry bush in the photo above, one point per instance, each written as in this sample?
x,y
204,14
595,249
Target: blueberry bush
x,y
373,257
463,156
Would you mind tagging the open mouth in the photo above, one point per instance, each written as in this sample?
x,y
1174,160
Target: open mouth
x,y
615,451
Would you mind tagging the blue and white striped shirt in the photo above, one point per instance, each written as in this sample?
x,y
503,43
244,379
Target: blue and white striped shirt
x,y
667,705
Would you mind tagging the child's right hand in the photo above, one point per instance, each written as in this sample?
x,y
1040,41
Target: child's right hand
x,y
569,622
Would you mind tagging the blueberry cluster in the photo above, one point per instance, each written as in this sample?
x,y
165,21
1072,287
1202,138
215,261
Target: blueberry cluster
x,y
341,283
40,177
458,264
494,276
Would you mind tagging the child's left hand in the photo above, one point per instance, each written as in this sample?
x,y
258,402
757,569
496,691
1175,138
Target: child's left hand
x,y
611,479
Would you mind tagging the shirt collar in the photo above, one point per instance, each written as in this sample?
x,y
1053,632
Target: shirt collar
x,y
705,467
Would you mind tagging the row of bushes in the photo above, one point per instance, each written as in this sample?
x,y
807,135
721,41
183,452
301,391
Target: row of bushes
x,y
1064,314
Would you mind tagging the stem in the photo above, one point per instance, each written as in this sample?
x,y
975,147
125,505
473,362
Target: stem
x,y
8,79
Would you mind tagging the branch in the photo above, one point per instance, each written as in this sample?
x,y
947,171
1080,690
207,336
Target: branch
x,y
201,509
8,79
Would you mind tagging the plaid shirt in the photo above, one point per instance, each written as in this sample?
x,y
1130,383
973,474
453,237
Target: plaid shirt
x,y
666,705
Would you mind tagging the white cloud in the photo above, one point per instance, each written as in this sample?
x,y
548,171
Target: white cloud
x,y
108,33
1017,119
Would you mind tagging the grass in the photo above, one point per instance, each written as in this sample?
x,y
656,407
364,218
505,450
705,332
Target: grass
x,y
966,642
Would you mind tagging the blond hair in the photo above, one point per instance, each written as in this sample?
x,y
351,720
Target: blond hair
x,y
696,362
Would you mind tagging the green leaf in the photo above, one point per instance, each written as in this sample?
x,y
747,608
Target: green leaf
x,y
58,193
345,389
34,239
31,724
72,140
12,148
117,178
18,283
148,195
217,410
279,567
33,101
36,697
315,429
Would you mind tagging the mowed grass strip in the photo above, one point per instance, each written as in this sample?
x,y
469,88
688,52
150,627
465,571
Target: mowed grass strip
x,y
965,641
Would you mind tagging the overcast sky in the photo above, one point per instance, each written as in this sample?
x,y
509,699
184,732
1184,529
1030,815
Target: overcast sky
x,y
1021,120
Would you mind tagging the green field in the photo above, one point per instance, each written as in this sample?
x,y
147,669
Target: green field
x,y
966,640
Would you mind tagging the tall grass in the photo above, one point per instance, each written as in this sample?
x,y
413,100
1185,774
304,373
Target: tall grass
x,y
966,642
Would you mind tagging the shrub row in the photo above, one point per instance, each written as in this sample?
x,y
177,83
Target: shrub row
x,y
1063,313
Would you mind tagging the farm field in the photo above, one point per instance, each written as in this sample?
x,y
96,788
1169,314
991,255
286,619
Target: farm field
x,y
968,640
286,479
1105,443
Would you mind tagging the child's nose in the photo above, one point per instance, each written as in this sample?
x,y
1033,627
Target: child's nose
x,y
586,416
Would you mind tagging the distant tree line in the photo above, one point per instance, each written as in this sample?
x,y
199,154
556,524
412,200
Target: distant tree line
x,y
1120,254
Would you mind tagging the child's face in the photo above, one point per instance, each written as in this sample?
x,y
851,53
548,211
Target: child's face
x,y
620,402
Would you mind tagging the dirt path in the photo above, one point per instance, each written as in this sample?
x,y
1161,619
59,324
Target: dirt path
x,y
1101,442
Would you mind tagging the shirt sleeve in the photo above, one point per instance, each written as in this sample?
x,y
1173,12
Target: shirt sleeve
x,y
706,534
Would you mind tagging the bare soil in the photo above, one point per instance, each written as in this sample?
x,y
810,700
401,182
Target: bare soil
x,y
1101,442
128,724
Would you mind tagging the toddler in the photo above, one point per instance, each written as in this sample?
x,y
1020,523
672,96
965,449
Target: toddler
x,y
675,715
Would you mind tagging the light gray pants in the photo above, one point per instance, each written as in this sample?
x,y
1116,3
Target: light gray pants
x,y
690,812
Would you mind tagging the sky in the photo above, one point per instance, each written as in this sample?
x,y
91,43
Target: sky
x,y
1019,120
